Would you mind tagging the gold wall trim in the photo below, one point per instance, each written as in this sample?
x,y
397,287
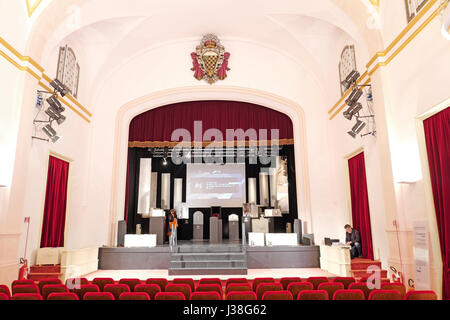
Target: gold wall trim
x,y
384,53
41,77
32,8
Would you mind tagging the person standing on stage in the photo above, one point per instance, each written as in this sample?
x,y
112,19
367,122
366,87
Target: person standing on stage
x,y
173,222
353,239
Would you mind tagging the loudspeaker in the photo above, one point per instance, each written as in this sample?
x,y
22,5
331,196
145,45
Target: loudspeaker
x,y
121,232
298,230
308,239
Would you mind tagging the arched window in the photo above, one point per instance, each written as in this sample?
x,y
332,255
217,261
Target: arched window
x,y
347,64
413,7
68,71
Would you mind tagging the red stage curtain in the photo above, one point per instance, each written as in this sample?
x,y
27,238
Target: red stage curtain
x,y
360,203
437,136
158,124
55,204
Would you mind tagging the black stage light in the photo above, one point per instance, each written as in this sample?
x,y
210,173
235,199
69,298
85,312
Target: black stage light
x,y
354,97
58,117
59,87
359,126
352,111
48,130
351,79
55,104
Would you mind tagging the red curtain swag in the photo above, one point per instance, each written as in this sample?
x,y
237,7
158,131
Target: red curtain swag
x,y
360,203
154,128
437,137
55,204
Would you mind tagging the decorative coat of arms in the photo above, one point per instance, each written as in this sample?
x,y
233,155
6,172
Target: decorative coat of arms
x,y
210,61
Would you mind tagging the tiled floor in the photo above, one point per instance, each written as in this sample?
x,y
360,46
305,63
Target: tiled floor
x,y
252,273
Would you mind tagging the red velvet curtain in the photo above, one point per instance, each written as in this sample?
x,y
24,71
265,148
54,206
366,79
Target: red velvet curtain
x,y
437,136
55,204
360,203
158,124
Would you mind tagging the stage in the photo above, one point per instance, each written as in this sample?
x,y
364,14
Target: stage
x,y
202,258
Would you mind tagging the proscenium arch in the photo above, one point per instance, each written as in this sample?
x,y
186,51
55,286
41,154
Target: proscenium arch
x,y
158,99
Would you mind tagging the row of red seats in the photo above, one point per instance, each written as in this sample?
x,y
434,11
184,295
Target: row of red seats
x,y
206,288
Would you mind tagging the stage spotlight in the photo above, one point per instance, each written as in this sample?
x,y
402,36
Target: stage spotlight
x,y
59,87
59,118
351,79
359,126
55,104
354,97
164,163
352,111
48,130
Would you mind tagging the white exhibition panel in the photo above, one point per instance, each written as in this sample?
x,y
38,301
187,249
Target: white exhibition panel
x,y
252,190
177,192
264,189
273,186
281,239
256,239
145,173
153,189
210,185
165,191
260,225
140,240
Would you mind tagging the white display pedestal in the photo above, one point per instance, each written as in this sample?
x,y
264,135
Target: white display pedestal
x,y
256,239
281,239
140,240
336,259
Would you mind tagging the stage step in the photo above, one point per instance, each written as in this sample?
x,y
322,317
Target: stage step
x,y
218,259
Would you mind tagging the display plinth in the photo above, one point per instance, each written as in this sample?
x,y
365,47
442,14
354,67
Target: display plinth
x,y
140,240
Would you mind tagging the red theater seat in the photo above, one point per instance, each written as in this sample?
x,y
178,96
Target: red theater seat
x,y
210,281
258,281
277,295
131,283
315,281
187,281
209,288
74,282
62,296
265,287
4,289
4,296
249,295
102,282
395,286
331,288
98,296
385,295
134,296
347,294
170,296
30,288
212,295
296,287
286,281
51,288
236,287
361,286
44,282
313,295
346,281
85,288
150,289
184,288
22,283
116,289
27,296
421,295
236,281
162,283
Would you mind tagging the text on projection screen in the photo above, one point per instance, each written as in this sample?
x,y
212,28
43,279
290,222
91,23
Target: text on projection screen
x,y
211,185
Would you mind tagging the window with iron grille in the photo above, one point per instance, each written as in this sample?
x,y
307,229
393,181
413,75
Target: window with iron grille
x,y
68,71
347,64
413,7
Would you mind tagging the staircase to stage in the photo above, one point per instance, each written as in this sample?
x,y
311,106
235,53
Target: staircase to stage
x,y
198,259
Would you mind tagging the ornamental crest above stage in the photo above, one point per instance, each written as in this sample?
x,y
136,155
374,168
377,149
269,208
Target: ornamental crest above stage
x,y
210,61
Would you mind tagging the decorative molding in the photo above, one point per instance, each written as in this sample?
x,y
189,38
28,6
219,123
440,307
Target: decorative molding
x,y
25,63
383,58
31,7
375,3
159,144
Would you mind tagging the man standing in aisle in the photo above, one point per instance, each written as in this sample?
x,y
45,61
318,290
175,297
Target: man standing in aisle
x,y
353,239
